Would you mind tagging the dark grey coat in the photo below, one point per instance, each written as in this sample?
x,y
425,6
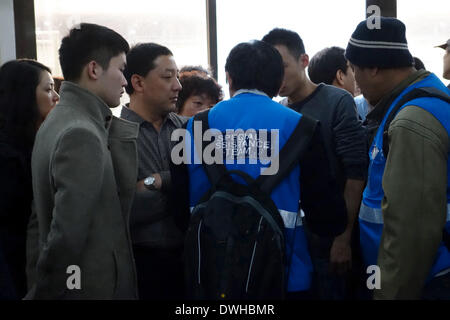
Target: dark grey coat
x,y
84,168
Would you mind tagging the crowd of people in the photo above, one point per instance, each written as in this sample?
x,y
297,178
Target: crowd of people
x,y
94,206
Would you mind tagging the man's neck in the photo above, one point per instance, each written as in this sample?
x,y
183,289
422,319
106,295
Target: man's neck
x,y
393,78
147,113
303,92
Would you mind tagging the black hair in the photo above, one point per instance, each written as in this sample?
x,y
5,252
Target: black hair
x,y
255,65
418,64
325,63
197,85
87,42
141,60
19,112
290,39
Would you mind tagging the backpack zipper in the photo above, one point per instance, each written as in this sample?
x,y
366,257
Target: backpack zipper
x,y
253,256
199,251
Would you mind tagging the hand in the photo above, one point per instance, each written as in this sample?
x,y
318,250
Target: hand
x,y
341,255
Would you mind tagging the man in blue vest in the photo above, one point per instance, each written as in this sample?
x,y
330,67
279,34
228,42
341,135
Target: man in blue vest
x,y
404,213
254,73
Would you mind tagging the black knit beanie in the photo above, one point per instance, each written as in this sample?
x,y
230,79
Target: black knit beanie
x,y
385,47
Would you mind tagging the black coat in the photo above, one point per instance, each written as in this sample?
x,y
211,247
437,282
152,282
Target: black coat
x,y
15,209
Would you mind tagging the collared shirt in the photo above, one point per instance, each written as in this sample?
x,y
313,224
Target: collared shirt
x,y
154,147
150,222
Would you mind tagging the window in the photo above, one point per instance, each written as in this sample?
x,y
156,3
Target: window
x,y
426,27
320,23
181,25
178,24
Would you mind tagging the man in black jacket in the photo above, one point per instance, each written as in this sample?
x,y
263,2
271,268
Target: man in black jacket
x,y
346,146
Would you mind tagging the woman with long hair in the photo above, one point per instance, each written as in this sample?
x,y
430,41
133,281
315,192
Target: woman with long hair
x,y
26,97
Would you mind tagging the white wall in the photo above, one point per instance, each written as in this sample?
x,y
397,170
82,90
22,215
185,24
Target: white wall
x,y
7,35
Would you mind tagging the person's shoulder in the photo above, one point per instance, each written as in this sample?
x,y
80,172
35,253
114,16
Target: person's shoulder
x,y
63,116
332,93
177,119
63,122
419,121
414,114
336,98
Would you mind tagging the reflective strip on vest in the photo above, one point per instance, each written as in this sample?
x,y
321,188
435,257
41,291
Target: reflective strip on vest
x,y
374,215
290,218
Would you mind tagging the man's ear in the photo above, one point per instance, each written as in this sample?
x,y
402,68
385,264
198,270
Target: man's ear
x,y
94,70
304,59
374,71
137,83
339,77
230,84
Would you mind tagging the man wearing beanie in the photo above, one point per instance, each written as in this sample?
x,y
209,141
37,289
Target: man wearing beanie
x,y
404,214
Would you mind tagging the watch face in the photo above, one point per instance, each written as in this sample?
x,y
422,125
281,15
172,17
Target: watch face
x,y
149,181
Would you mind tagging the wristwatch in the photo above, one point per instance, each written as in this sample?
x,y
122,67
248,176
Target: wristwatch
x,y
149,183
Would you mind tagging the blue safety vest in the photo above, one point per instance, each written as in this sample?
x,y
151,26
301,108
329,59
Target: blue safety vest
x,y
255,111
370,214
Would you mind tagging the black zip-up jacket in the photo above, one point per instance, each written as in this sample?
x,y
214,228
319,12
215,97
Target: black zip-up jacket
x,y
344,136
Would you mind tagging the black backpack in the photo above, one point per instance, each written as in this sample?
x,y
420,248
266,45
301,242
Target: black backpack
x,y
234,247
415,94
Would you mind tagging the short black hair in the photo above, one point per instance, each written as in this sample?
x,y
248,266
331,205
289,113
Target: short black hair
x,y
18,106
198,85
255,65
325,63
141,60
290,39
418,64
87,42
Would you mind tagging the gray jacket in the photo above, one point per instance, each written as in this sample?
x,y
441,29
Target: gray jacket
x,y
84,166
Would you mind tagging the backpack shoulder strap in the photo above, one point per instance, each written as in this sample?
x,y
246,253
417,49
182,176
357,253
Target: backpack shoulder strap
x,y
290,154
424,92
214,171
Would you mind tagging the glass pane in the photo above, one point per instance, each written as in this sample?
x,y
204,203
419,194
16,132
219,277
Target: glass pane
x,y
320,23
427,26
178,24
